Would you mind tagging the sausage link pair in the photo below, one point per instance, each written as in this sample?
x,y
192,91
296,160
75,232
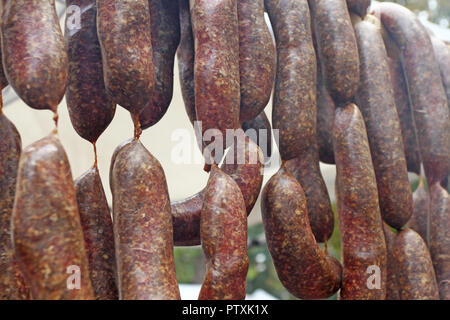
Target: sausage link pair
x,y
362,238
165,31
98,234
124,32
294,102
257,59
420,219
337,49
142,226
358,6
223,230
90,108
47,234
428,99
442,53
34,55
302,267
376,101
306,170
260,131
391,273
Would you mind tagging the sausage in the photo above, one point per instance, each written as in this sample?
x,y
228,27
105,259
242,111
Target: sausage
x,y
142,227
294,102
124,33
375,97
391,276
262,134
415,275
325,118
307,172
223,230
98,234
403,105
358,6
165,31
216,67
337,48
440,237
256,59
420,219
362,238
46,230
442,53
302,267
34,56
428,100
90,108
248,176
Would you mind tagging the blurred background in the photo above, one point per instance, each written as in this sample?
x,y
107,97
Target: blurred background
x,y
187,179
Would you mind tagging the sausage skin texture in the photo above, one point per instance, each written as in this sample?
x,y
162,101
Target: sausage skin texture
x,y
440,237
302,267
142,227
376,101
358,6
47,234
428,99
90,108
442,53
262,138
415,275
420,219
294,102
124,33
223,229
325,118
98,234
38,73
391,276
307,172
337,48
362,238
165,31
248,176
257,59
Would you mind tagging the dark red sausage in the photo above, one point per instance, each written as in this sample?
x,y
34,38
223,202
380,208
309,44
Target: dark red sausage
x,y
442,53
420,219
223,230
260,131
90,108
325,118
391,277
362,238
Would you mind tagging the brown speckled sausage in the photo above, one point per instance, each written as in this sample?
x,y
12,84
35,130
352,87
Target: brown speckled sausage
x,y
376,101
358,6
257,59
307,172
362,238
97,227
391,277
34,55
47,234
440,237
420,219
302,267
428,99
325,118
442,53
90,108
415,275
294,102
262,138
142,227
223,230
165,30
337,48
124,32
248,176
216,66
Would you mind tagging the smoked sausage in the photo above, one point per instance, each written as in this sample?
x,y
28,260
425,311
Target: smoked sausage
x,y
442,53
391,277
325,118
260,131
420,219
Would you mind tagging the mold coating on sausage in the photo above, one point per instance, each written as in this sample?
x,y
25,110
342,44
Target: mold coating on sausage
x,y
165,31
337,48
362,238
391,277
34,56
358,6
262,134
47,234
376,101
257,59
124,32
302,267
90,108
223,230
415,275
97,227
420,219
142,227
294,102
440,237
428,99
442,53
306,170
